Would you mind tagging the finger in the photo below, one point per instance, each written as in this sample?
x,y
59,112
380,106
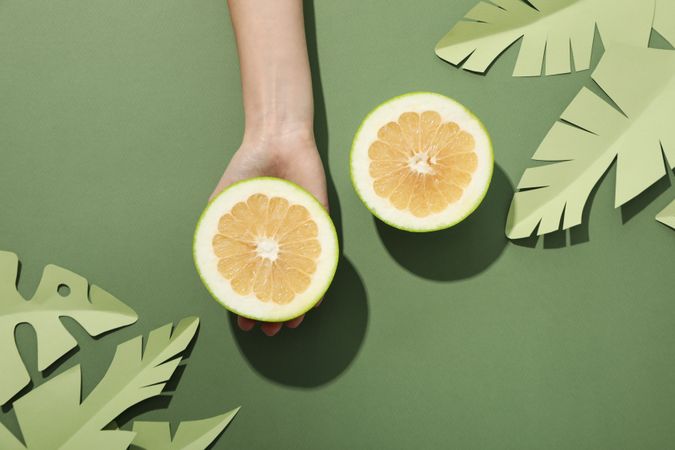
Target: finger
x,y
245,324
270,329
319,303
295,322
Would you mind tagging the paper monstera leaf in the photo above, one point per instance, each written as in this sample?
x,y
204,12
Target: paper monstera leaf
x,y
53,416
664,19
190,435
667,216
61,293
593,134
550,28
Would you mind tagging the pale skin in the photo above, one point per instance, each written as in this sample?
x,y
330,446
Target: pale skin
x,y
276,83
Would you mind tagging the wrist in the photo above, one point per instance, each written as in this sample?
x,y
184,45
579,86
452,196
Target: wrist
x,y
273,128
278,140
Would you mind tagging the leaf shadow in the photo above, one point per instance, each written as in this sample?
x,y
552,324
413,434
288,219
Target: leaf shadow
x,y
158,402
462,251
56,364
9,405
636,205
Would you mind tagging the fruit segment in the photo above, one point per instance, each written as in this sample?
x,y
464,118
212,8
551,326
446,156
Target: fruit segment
x,y
267,247
421,164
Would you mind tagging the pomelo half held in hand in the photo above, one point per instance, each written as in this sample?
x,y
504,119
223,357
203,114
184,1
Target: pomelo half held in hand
x,y
266,249
421,162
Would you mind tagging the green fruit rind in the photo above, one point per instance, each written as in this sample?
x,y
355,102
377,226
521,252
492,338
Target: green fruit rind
x,y
458,219
293,313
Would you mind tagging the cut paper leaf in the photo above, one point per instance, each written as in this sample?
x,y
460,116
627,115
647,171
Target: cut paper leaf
x,y
191,435
556,29
52,416
592,134
664,19
667,216
61,293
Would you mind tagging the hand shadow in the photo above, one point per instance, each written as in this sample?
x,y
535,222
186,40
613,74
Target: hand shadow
x,y
320,349
320,114
462,251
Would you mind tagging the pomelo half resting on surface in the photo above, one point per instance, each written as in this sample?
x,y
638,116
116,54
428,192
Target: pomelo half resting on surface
x,y
266,249
421,162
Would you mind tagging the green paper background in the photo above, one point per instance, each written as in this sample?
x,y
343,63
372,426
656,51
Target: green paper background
x,y
116,121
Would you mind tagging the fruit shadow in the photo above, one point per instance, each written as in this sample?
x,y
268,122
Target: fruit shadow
x,y
320,349
462,251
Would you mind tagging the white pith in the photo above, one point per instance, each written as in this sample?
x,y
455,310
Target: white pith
x,y
450,111
267,248
420,163
249,305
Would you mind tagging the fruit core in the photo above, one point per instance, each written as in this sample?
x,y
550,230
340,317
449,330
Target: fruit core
x,y
267,248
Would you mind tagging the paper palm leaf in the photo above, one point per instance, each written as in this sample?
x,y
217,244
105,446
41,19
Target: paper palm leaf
x,y
667,216
664,19
95,309
642,83
548,27
191,435
52,416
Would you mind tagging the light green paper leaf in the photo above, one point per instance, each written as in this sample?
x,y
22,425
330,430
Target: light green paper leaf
x,y
51,416
553,27
642,83
94,309
667,216
664,19
191,435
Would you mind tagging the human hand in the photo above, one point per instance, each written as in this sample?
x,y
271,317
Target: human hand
x,y
278,105
282,152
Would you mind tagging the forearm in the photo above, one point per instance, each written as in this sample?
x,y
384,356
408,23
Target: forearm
x,y
275,74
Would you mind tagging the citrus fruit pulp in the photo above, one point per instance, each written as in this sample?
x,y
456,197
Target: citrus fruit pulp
x,y
266,249
421,162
